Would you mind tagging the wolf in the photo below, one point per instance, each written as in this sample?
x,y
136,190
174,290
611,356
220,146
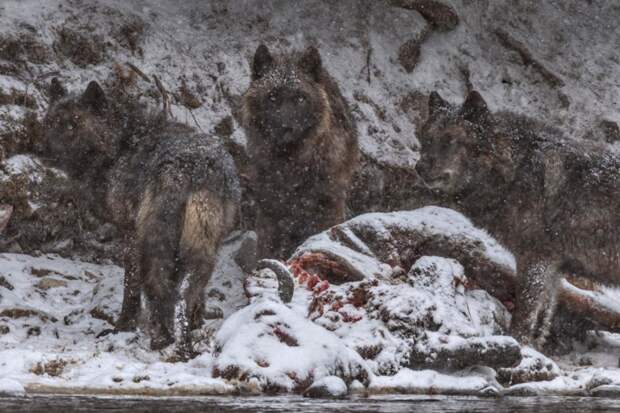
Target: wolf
x,y
552,200
302,145
172,192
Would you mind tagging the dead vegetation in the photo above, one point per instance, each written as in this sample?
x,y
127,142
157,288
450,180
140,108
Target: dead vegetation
x,y
528,59
52,368
23,47
4,283
131,35
80,48
23,135
187,98
18,98
15,313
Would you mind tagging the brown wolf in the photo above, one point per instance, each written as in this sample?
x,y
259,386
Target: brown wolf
x,y
173,192
303,148
553,201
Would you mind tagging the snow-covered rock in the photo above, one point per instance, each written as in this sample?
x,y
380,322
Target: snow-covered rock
x,y
534,366
327,387
277,348
386,245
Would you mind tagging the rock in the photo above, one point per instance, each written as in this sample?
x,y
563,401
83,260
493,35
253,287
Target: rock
x,y
489,391
81,47
522,390
246,256
599,379
329,387
47,283
24,313
606,390
459,353
409,54
610,129
534,366
4,283
11,388
217,294
40,272
59,247
4,329
100,314
213,313
34,331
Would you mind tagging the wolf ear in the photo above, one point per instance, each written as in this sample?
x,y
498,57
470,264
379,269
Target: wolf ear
x,y
311,63
262,62
475,109
56,91
436,104
94,97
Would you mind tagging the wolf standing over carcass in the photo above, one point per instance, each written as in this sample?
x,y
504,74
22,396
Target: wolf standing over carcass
x,y
174,194
303,149
553,201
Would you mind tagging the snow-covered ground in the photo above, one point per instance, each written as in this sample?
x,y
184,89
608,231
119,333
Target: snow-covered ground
x,y
371,335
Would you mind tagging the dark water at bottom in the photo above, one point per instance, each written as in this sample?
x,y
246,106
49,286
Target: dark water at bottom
x,y
387,404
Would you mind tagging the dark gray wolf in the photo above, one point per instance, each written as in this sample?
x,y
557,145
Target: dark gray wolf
x,y
302,144
553,201
173,192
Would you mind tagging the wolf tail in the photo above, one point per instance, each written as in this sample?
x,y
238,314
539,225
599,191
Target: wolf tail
x,y
158,231
179,232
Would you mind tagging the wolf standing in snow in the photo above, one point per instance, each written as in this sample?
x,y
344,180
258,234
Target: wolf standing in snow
x,y
552,201
302,146
173,193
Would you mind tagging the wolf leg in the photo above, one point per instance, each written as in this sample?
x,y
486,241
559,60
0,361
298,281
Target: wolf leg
x,y
207,219
536,303
158,232
130,310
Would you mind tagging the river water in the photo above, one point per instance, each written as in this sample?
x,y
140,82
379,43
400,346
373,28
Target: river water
x,y
387,404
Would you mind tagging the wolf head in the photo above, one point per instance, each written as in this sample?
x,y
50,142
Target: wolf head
x,y
77,131
462,149
286,101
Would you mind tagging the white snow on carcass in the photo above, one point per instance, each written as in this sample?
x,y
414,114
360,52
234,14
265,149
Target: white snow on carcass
x,y
430,221
269,342
399,315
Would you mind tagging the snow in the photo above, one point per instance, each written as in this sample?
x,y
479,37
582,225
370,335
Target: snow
x,y
420,381
330,385
67,334
273,344
429,221
265,344
9,387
